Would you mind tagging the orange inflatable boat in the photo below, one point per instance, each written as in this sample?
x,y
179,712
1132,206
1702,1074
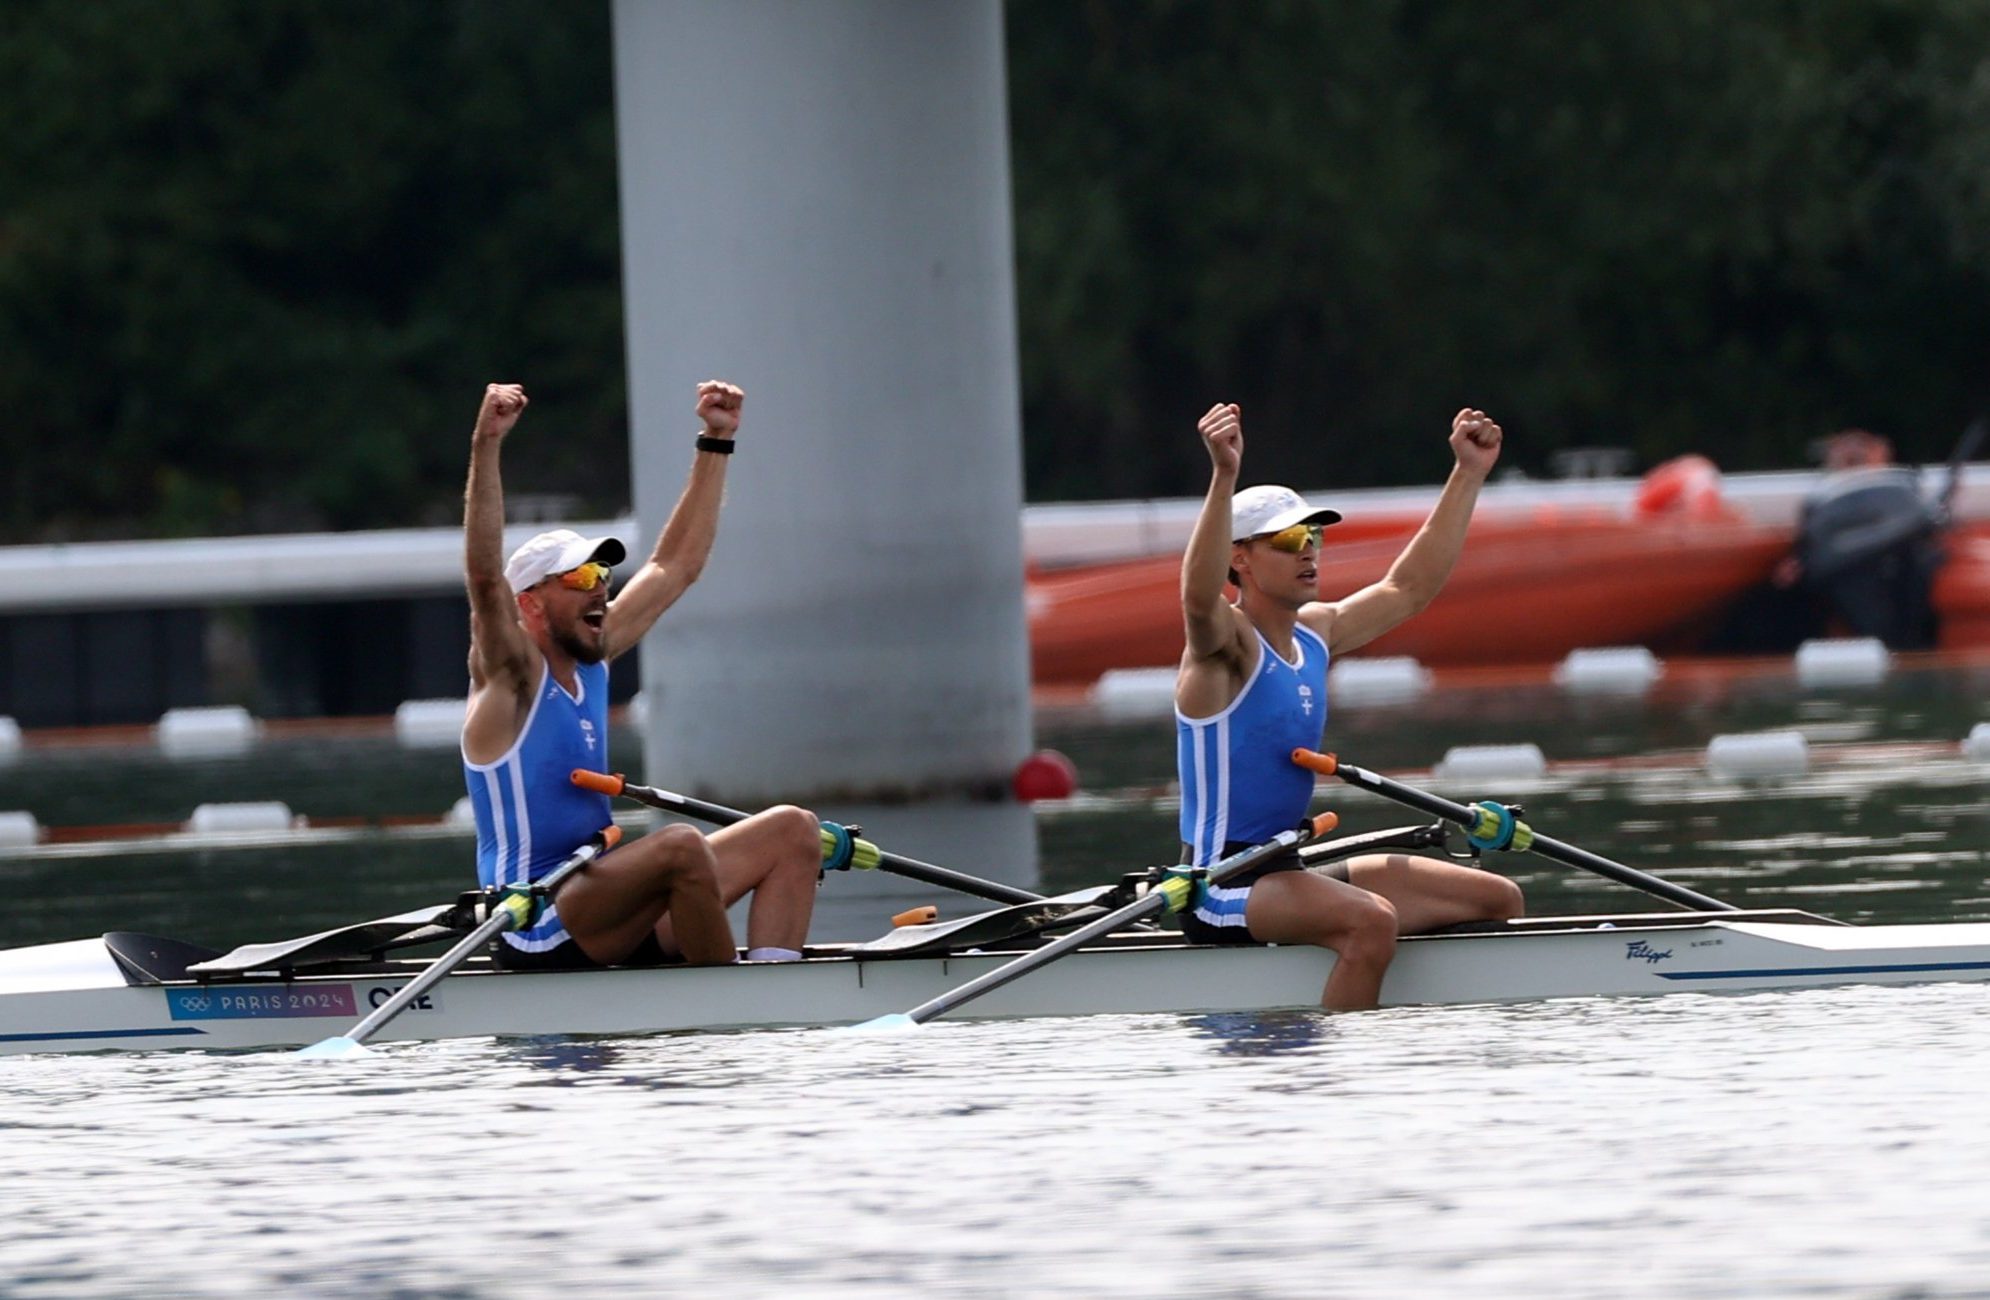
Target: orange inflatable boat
x,y
1530,587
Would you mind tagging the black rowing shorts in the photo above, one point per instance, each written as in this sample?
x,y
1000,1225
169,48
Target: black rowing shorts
x,y
569,956
1218,917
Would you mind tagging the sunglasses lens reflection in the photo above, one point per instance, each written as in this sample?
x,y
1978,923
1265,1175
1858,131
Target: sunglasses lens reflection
x,y
587,577
1294,539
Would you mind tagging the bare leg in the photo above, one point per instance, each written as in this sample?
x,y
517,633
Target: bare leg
x,y
1428,893
668,877
776,856
1358,926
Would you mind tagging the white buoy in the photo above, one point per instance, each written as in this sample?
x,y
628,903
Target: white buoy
x,y
251,815
19,830
1846,661
1388,680
1491,763
461,814
1609,670
1135,692
187,733
1764,753
1978,744
10,738
428,724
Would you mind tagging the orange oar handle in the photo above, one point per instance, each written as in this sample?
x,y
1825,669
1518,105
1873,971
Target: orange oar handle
x,y
1314,761
925,915
611,835
599,782
1325,822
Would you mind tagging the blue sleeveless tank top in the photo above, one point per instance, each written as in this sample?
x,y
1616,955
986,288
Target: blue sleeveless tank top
x,y
530,816
1239,782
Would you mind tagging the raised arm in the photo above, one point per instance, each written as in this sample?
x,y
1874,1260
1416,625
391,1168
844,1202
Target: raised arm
x,y
686,540
1214,657
1206,616
500,654
1420,571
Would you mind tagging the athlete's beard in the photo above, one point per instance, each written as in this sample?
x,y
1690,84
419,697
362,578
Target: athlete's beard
x,y
581,651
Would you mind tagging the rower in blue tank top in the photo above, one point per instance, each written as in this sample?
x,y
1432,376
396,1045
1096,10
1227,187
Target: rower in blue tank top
x,y
543,631
530,815
1238,786
1252,688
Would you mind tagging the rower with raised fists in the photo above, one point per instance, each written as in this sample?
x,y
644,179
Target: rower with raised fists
x,y
1252,688
542,633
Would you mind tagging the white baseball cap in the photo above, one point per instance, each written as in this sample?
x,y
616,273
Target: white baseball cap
x,y
1269,508
556,552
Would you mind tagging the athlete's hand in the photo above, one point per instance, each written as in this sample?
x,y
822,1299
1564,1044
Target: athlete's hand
x,y
503,404
1475,440
1223,435
718,407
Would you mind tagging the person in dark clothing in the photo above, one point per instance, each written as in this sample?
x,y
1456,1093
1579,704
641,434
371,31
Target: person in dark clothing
x,y
1868,544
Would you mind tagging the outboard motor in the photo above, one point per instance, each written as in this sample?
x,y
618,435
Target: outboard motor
x,y
1870,545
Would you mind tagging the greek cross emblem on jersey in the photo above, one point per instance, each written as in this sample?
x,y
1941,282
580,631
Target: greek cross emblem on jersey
x,y
1306,699
587,731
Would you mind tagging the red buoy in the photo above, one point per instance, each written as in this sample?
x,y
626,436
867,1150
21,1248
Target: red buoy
x,y
1045,774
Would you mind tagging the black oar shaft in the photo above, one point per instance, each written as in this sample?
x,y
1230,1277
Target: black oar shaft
x,y
720,815
1546,846
946,878
1144,906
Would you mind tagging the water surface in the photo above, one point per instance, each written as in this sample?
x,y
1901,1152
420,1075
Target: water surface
x,y
1815,1143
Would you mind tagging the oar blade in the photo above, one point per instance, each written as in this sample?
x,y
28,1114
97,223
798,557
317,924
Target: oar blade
x,y
333,1049
895,1023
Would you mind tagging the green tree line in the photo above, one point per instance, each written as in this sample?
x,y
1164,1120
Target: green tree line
x,y
257,259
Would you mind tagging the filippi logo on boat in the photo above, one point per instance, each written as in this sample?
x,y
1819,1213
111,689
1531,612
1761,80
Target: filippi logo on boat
x,y
1639,950
261,1003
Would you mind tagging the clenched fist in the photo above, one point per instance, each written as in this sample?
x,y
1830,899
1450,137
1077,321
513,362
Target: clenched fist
x,y
1222,431
1475,440
503,404
718,407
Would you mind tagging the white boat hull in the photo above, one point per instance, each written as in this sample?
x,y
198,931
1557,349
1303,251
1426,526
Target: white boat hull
x,y
74,996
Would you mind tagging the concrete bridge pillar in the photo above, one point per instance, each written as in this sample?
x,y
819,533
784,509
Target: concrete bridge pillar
x,y
815,205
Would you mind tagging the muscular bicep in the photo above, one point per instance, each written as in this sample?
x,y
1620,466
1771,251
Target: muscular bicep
x,y
1355,620
1212,630
503,675
1207,682
635,610
500,654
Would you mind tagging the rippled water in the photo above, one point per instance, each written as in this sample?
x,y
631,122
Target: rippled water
x,y
1817,1143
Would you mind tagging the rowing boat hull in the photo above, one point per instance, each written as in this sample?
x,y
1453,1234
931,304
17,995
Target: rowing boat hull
x,y
72,997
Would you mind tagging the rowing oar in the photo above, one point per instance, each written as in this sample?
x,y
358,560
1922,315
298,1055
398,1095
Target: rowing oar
x,y
1172,894
840,849
516,909
1493,826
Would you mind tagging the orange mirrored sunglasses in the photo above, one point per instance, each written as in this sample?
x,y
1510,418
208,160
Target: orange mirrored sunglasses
x,y
587,577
